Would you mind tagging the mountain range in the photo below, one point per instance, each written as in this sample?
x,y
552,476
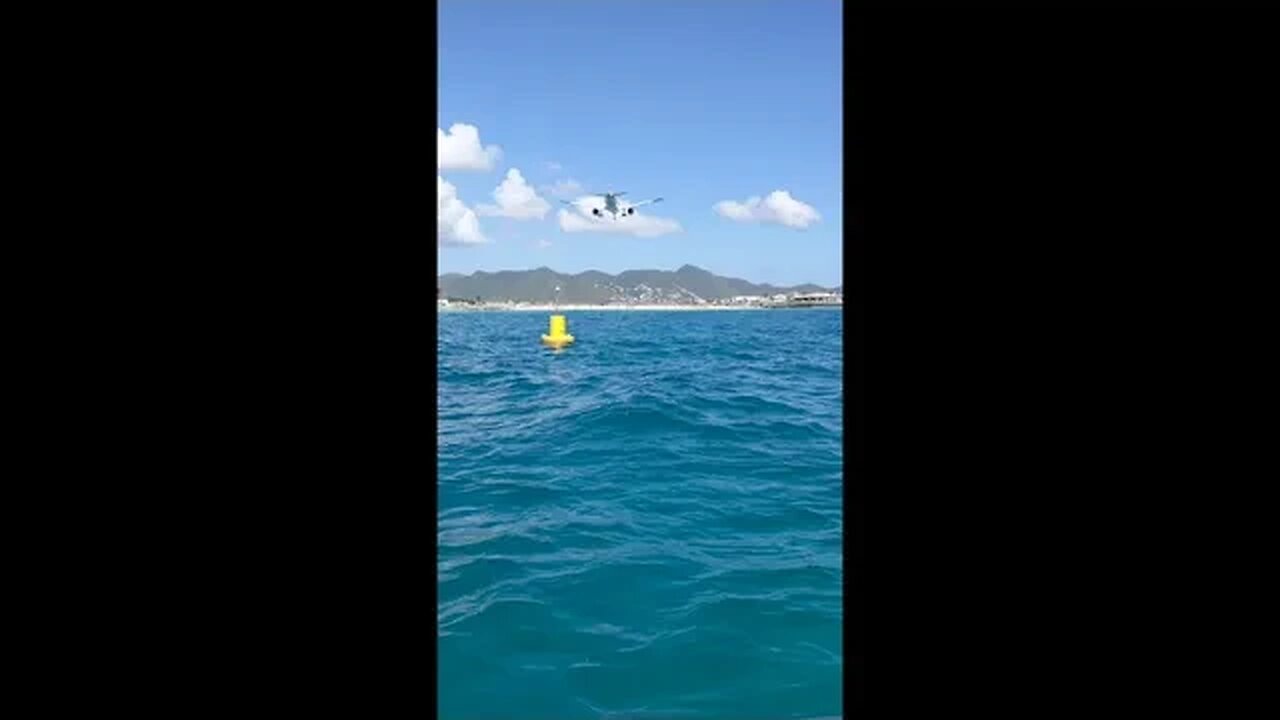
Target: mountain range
x,y
689,283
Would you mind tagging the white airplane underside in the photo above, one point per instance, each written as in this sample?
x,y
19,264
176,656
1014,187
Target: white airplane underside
x,y
609,205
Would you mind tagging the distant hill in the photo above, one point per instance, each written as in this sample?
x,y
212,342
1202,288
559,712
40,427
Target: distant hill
x,y
593,287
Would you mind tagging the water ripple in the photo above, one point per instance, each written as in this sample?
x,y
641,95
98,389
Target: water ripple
x,y
647,524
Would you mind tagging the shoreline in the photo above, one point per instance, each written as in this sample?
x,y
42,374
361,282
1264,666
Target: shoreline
x,y
613,308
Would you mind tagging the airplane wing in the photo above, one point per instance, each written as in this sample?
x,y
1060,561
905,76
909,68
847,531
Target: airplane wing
x,y
646,202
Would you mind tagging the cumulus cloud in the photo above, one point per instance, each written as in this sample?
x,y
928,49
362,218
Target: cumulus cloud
x,y
456,224
460,149
779,207
564,189
638,225
516,200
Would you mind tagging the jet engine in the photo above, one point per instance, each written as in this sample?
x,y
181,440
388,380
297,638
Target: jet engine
x,y
631,211
595,211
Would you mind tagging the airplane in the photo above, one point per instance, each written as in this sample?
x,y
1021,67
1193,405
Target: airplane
x,y
612,204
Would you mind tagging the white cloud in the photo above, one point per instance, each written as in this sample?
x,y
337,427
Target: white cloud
x,y
554,166
564,189
516,200
638,224
779,207
456,224
460,149
544,243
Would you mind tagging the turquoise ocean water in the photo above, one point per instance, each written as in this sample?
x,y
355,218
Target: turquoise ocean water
x,y
644,525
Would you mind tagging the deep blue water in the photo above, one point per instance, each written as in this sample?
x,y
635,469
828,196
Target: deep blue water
x,y
644,525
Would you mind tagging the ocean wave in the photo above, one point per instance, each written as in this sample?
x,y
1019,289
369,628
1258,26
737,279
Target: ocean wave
x,y
647,524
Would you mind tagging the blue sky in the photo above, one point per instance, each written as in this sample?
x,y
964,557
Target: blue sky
x,y
699,102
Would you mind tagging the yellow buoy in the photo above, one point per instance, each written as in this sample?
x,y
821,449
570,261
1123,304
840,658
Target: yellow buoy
x,y
557,336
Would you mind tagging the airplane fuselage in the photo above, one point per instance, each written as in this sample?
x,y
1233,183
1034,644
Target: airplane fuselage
x,y
612,205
